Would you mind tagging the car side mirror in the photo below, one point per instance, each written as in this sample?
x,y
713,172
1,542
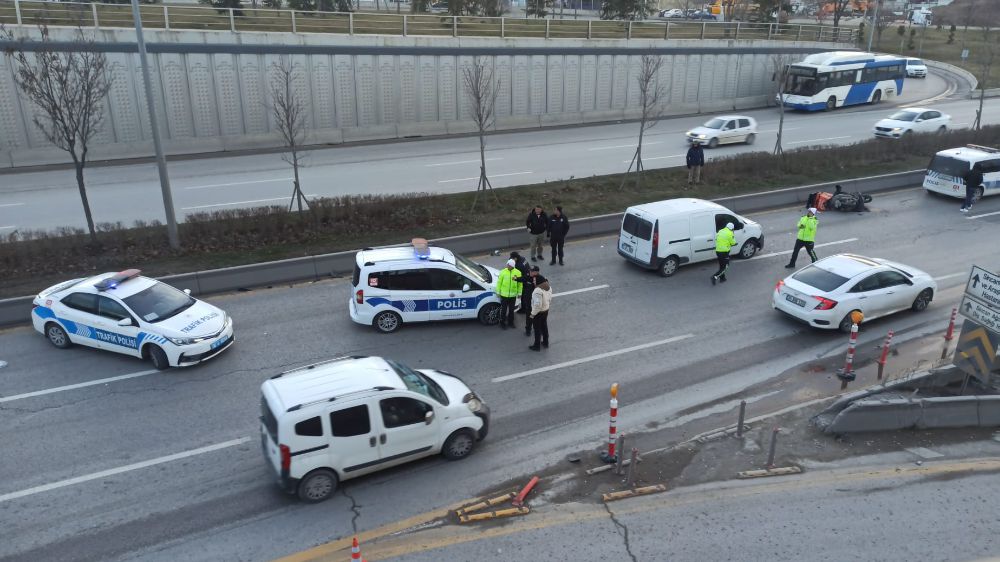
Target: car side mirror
x,y
466,288
125,322
429,417
187,291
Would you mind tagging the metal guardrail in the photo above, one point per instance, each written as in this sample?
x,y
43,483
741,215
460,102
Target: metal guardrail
x,y
196,18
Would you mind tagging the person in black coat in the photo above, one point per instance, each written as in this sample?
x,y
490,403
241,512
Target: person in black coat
x,y
695,162
528,284
557,230
537,224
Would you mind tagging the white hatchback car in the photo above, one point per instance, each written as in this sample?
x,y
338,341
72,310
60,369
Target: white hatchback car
x,y
915,68
824,294
912,120
725,129
126,313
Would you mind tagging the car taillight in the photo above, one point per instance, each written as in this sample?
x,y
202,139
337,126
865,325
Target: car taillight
x,y
359,296
778,286
286,457
825,303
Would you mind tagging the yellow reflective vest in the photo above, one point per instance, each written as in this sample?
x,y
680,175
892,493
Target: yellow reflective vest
x,y
507,283
807,228
724,240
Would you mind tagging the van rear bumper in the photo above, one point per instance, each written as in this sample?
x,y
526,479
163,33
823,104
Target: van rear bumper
x,y
635,261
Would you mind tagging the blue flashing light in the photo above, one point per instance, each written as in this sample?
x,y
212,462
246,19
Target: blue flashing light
x,y
113,281
421,248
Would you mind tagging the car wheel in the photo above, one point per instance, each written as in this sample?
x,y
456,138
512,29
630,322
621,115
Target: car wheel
x,y
923,299
714,142
669,266
942,129
831,103
876,97
159,358
57,336
317,486
750,138
749,249
489,314
458,445
387,321
846,323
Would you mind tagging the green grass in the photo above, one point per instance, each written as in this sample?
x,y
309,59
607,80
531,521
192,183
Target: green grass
x,y
936,47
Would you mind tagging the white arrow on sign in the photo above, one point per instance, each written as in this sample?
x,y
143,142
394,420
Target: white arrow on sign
x,y
984,286
981,314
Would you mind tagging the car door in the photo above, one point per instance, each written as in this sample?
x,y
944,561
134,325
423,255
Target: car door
x,y
407,431
79,316
872,298
744,130
636,237
112,336
451,300
354,438
898,291
721,220
410,292
729,133
703,236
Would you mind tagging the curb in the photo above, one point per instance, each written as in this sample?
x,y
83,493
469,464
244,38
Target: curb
x,y
15,311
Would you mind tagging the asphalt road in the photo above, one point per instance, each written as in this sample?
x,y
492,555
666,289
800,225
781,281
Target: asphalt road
x,y
49,199
166,466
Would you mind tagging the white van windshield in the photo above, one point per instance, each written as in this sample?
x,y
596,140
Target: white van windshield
x,y
949,166
472,269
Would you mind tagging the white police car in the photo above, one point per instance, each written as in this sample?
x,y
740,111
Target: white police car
x,y
420,283
134,315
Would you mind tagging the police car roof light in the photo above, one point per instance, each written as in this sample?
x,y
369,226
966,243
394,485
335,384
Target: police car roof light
x,y
421,248
983,148
113,281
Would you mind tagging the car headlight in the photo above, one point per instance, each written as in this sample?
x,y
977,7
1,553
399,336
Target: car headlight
x,y
474,403
182,341
702,136
897,129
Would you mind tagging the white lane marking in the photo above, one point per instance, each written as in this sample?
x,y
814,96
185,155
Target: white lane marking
x,y
206,186
591,358
623,146
8,227
783,130
490,175
285,198
657,158
788,252
818,140
583,290
924,452
959,124
984,215
951,275
75,386
459,162
122,469
11,204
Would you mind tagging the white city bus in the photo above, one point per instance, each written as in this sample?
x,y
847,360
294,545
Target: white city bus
x,y
824,81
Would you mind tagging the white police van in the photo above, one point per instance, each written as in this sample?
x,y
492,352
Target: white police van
x,y
420,283
126,313
946,172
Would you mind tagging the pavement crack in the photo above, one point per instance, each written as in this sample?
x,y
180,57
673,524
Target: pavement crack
x,y
623,531
356,508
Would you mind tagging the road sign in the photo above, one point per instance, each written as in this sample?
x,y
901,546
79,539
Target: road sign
x,y
984,286
983,315
965,54
976,353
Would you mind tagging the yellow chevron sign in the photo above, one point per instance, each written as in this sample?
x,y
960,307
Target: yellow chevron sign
x,y
976,353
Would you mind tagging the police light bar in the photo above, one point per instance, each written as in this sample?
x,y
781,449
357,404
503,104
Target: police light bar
x,y
983,148
118,278
421,248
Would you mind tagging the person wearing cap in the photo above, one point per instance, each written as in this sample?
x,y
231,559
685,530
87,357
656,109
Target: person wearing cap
x,y
529,282
725,239
541,299
508,289
558,228
806,237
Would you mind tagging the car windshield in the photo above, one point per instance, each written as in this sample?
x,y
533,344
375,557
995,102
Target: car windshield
x,y
904,116
418,382
821,279
159,302
948,166
914,62
472,269
798,85
715,123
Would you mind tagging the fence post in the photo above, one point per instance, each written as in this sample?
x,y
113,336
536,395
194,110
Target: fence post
x,y
885,354
774,444
547,28
738,30
232,21
454,26
666,30
628,31
294,29
590,24
703,24
166,18
17,11
404,25
503,32
950,333
739,424
798,36
93,10
770,31
350,23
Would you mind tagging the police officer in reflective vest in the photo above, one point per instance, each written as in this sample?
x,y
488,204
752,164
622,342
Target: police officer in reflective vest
x,y
508,289
725,239
806,237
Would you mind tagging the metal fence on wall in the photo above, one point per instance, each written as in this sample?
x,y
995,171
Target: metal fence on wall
x,y
196,18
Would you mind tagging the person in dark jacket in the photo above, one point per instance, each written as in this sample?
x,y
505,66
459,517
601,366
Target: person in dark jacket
x,y
528,285
525,269
538,224
973,179
695,161
558,228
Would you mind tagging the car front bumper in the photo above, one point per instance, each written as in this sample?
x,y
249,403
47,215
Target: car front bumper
x,y
483,414
188,355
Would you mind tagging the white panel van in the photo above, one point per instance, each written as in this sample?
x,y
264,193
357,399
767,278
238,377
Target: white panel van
x,y
667,234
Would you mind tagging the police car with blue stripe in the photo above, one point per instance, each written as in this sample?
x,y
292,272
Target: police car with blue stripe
x,y
420,283
127,313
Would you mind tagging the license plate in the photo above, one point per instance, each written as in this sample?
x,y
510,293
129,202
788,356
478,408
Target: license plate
x,y
795,300
218,343
628,249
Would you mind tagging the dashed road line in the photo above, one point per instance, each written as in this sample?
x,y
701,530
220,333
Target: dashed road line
x,y
490,175
76,386
924,452
951,276
633,145
459,162
819,140
11,204
644,158
788,252
983,215
285,198
207,186
583,290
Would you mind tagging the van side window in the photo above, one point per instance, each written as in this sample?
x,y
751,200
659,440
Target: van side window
x,y
444,280
397,412
721,220
989,166
409,280
312,427
350,422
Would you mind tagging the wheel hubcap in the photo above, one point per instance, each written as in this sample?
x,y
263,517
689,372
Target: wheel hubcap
x,y
461,446
56,336
669,267
387,322
318,487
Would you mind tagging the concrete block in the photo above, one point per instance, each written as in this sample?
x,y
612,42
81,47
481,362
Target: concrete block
x,y
15,311
371,132
334,265
752,102
505,240
425,129
572,118
604,224
183,281
518,122
460,127
876,415
989,411
950,411
601,116
715,106
256,275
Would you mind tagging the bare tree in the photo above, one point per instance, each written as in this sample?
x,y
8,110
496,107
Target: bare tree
x,y
839,6
482,87
290,117
779,64
651,93
987,56
69,88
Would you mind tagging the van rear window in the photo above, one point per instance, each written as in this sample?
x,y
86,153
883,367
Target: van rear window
x,y
357,275
638,227
268,419
819,278
949,166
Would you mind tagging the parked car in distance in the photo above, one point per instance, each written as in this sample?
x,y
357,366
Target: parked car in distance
x,y
672,13
703,15
912,120
724,129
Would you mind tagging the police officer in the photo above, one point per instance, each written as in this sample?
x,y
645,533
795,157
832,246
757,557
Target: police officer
x,y
725,239
508,289
557,230
806,236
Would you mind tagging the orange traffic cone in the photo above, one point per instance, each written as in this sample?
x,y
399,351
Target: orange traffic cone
x,y
355,550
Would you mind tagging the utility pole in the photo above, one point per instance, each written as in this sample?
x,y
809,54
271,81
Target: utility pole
x,y
871,34
161,161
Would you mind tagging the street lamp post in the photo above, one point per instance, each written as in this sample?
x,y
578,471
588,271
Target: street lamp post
x,y
161,161
871,34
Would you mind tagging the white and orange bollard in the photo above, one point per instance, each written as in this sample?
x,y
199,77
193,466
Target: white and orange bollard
x,y
885,354
847,373
950,334
356,550
610,455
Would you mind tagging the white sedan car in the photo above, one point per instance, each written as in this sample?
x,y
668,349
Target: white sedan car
x,y
133,315
912,120
824,294
724,129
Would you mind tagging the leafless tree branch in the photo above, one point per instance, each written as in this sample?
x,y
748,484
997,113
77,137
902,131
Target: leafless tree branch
x,y
483,88
651,95
290,118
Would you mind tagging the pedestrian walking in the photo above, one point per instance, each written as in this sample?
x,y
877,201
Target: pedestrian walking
x,y
725,239
537,223
508,289
541,299
557,230
528,285
973,179
695,162
806,237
